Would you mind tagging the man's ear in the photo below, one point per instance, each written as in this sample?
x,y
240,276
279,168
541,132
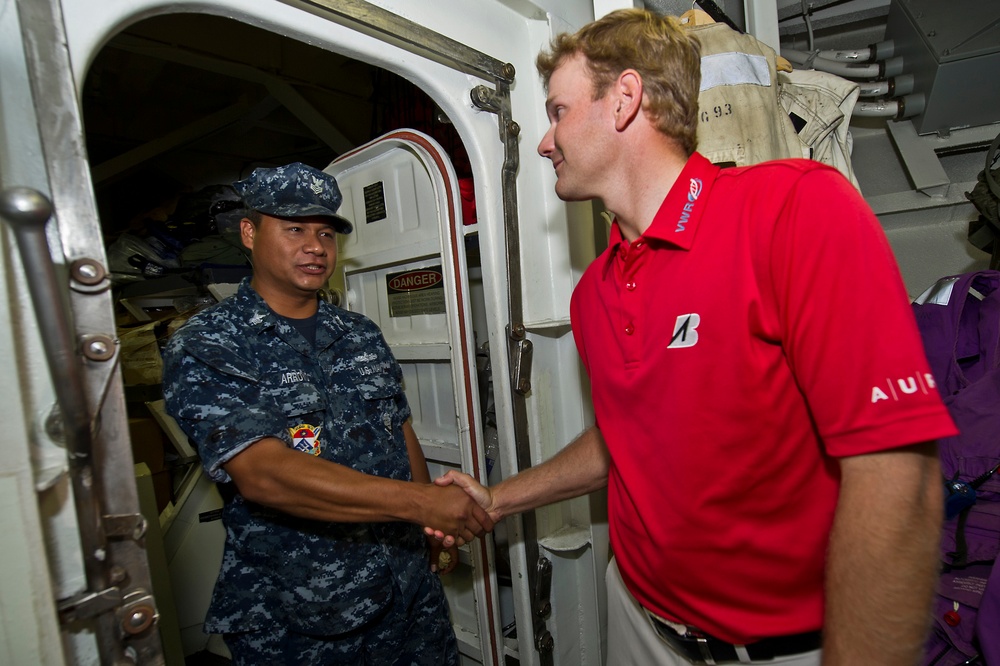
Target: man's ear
x,y
247,231
628,90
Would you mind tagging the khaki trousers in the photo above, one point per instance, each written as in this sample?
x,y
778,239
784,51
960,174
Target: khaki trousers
x,y
632,640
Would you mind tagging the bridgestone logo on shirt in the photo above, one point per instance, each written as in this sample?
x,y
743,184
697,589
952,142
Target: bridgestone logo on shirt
x,y
685,331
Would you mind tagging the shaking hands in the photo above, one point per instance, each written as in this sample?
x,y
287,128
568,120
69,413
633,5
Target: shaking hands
x,y
474,511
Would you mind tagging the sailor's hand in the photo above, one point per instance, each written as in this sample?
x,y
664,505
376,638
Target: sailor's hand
x,y
453,517
479,493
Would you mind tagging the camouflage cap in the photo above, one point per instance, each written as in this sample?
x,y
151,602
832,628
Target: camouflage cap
x,y
294,190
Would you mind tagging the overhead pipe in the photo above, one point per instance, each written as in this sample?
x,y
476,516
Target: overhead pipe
x,y
896,86
876,70
896,109
873,53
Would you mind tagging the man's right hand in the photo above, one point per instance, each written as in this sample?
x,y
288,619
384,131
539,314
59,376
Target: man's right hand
x,y
581,467
480,494
454,517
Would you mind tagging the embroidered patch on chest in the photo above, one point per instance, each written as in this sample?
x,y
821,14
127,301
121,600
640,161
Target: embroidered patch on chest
x,y
293,377
305,438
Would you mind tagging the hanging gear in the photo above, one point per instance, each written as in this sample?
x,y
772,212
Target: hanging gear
x,y
959,319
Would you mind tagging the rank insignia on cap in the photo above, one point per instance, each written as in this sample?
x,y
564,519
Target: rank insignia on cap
x,y
305,438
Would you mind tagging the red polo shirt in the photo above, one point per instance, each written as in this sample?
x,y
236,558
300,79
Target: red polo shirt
x,y
757,330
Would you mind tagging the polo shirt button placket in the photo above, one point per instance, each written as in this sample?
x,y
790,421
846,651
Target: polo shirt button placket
x,y
629,329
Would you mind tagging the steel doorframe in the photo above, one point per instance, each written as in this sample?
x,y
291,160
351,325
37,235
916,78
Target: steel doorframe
x,y
118,595
422,41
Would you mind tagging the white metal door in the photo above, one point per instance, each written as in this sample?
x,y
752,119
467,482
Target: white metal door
x,y
405,268
101,589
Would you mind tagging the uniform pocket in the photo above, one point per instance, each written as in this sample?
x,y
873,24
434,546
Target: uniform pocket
x,y
303,406
384,396
376,387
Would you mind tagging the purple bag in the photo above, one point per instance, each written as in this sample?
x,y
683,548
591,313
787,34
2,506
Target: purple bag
x,y
959,319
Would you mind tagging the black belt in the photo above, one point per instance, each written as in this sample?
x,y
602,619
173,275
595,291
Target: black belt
x,y
700,648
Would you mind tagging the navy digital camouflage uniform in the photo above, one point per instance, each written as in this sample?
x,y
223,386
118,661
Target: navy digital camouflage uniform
x,y
236,373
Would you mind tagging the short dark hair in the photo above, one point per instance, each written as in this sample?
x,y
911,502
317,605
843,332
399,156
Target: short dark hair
x,y
255,216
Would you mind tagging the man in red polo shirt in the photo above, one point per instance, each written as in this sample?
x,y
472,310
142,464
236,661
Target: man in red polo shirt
x,y
765,411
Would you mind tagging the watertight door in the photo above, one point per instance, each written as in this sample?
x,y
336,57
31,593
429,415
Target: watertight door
x,y
67,483
405,267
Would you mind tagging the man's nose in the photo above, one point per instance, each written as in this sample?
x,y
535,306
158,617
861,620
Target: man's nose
x,y
314,244
546,146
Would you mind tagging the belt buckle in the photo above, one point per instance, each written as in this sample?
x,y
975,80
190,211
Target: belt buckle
x,y
706,652
705,649
742,655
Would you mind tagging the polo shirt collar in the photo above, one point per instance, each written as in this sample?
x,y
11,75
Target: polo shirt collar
x,y
680,214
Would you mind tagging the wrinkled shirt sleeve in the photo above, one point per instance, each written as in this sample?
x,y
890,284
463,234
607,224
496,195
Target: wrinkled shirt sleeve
x,y
214,393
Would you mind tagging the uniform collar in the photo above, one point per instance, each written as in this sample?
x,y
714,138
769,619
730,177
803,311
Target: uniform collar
x,y
680,214
261,317
258,314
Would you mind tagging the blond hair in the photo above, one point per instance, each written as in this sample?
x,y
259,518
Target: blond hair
x,y
666,57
